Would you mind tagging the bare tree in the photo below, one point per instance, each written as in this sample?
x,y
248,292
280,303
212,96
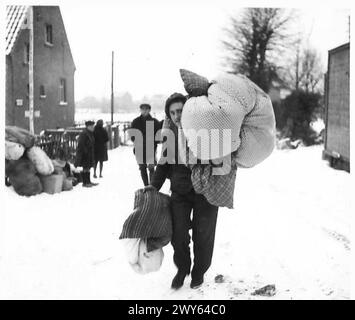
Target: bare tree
x,y
311,70
306,70
255,42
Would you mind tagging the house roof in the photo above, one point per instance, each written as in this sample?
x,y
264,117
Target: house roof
x,y
15,15
342,47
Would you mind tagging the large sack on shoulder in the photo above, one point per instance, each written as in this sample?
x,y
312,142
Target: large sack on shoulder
x,y
206,121
13,150
41,161
140,259
22,176
19,135
258,130
234,107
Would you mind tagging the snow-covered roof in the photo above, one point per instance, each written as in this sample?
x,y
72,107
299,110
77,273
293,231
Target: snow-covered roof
x,y
15,15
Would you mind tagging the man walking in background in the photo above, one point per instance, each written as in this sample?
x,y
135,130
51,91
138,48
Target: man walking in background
x,y
146,160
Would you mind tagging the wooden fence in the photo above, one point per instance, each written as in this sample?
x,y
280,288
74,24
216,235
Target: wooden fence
x,y
62,144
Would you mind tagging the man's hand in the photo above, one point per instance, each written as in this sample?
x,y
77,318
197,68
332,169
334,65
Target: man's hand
x,y
151,166
149,187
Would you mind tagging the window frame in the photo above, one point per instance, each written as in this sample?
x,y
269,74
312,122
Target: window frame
x,y
50,42
26,53
63,91
42,94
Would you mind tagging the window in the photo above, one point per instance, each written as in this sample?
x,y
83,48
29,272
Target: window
x,y
27,90
49,34
27,53
42,91
63,91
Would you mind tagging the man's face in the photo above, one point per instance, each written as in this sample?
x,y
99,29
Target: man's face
x,y
175,111
145,112
91,128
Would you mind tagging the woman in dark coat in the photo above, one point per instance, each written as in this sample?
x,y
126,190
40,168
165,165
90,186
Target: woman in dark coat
x,y
101,138
85,156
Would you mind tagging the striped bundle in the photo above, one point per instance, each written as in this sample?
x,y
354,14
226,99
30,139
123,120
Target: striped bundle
x,y
151,219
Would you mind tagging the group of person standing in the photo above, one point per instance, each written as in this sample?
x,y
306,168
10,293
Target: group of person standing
x,y
91,151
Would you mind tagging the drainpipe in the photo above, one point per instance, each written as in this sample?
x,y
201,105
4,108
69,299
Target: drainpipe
x,y
30,73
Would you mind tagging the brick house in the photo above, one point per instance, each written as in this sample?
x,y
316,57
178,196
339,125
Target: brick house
x,y
52,78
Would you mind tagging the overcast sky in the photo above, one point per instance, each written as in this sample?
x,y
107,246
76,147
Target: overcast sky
x,y
153,39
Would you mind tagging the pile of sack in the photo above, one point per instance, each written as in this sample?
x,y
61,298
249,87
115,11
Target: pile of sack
x,y
28,168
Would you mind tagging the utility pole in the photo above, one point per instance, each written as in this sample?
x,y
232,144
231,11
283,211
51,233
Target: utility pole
x,y
112,96
297,67
30,73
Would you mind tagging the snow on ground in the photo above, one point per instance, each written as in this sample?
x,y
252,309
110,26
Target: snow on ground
x,y
290,227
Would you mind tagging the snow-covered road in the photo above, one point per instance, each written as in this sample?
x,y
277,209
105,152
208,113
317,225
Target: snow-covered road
x,y
290,227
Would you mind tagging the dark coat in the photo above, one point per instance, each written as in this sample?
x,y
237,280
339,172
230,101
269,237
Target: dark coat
x,y
179,175
139,123
101,138
85,156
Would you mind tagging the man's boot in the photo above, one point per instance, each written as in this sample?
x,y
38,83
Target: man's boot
x,y
178,280
89,181
86,183
196,281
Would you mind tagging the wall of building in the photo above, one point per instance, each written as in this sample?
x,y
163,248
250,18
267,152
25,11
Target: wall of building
x,y
51,63
16,83
338,106
9,109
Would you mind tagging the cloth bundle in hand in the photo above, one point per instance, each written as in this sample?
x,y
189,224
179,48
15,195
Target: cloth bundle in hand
x,y
140,259
229,102
22,176
41,161
13,150
19,135
151,219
